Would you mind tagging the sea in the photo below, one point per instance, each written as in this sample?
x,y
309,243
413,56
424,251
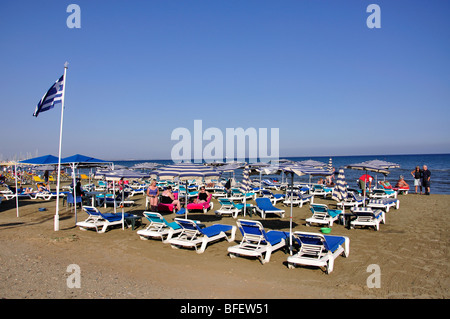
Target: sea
x,y
438,164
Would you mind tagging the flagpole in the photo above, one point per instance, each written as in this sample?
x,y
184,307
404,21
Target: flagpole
x,y
56,224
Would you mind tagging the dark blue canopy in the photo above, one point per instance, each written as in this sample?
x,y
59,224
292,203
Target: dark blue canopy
x,y
41,160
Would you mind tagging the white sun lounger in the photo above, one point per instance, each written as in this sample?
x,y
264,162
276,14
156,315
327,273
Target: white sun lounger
x,y
256,242
366,217
192,236
318,250
322,215
158,227
384,203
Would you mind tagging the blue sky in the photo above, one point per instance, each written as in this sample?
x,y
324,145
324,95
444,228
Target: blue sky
x,y
140,69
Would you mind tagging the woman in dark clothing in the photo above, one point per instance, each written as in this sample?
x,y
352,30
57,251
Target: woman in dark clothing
x,y
417,174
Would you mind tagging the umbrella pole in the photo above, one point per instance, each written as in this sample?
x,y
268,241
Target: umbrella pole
x,y
17,196
123,206
290,220
74,191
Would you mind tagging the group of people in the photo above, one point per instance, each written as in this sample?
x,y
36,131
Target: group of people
x,y
422,179
167,196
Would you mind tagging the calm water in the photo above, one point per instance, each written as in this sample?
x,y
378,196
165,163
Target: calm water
x,y
438,164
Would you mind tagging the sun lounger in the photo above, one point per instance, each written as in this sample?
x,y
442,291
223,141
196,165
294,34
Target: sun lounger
x,y
110,200
264,206
298,199
256,242
322,215
318,250
320,190
384,203
205,206
227,208
192,236
352,200
383,193
274,198
269,184
367,217
101,221
158,227
45,194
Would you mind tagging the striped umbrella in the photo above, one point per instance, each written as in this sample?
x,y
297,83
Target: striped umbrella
x,y
186,171
340,190
245,185
330,165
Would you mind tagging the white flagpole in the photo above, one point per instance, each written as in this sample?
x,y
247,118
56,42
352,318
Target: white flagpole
x,y
17,196
59,154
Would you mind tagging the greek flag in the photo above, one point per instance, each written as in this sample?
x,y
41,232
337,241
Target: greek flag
x,y
53,95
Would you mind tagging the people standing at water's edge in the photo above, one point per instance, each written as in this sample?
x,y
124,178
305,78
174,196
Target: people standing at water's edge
x,y
153,193
426,177
417,174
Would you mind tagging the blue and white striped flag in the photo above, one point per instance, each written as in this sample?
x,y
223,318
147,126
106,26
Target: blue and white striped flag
x,y
53,95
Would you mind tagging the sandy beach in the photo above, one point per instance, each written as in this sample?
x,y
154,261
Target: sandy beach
x,y
411,250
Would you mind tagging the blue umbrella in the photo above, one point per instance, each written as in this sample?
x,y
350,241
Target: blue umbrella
x,y
41,160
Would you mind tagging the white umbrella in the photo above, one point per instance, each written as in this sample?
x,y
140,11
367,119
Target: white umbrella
x,y
116,175
186,171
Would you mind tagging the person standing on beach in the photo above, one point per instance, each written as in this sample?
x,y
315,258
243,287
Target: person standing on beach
x,y
426,176
153,194
417,174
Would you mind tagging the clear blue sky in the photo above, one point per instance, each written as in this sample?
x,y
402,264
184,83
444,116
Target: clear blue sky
x,y
313,69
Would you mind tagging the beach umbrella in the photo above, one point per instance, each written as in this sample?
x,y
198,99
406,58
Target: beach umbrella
x,y
368,166
187,171
120,174
291,169
340,190
245,185
41,160
312,163
144,166
78,161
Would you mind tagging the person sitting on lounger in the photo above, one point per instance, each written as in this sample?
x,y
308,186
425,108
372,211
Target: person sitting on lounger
x,y
167,197
26,190
385,184
202,196
401,183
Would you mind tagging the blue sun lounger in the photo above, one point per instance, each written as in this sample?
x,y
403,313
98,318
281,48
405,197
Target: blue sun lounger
x,y
158,227
318,250
365,216
264,206
256,242
193,236
101,220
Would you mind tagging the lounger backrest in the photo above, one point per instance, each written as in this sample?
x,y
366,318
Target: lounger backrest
x,y
319,211
264,203
91,210
188,225
252,229
310,245
155,218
